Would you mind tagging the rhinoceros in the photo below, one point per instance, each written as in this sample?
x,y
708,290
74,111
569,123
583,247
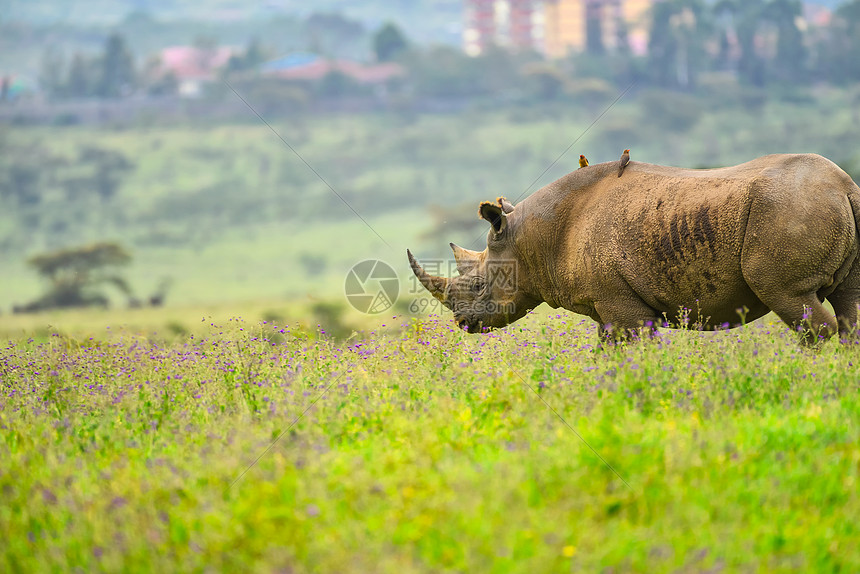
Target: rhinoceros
x,y
778,233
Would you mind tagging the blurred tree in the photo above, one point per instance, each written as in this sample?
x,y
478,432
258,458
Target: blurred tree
x,y
669,111
594,27
254,54
723,60
25,171
312,264
109,169
388,43
546,81
207,50
444,72
75,275
205,43
81,79
592,93
330,33
117,75
746,17
22,183
272,96
679,30
622,39
791,53
100,174
498,70
329,316
337,84
662,45
162,84
838,57
52,74
252,57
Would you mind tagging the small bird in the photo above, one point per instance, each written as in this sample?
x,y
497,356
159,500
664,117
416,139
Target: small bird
x,y
583,161
625,159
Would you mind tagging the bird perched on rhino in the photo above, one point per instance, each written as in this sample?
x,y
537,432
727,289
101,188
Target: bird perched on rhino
x,y
625,159
583,161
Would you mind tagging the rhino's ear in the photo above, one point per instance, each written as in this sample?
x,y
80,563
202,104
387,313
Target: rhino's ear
x,y
494,214
466,258
506,205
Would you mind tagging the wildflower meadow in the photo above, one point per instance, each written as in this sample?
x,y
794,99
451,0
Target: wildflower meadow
x,y
420,448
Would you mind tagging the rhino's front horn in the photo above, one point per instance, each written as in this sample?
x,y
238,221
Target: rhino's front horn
x,y
438,286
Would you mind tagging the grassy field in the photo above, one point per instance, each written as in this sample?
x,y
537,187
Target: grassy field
x,y
267,447
258,423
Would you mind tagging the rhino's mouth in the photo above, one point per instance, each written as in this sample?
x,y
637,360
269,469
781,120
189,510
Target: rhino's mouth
x,y
473,326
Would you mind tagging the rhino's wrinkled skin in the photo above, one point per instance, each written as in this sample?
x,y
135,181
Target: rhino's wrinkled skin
x,y
777,233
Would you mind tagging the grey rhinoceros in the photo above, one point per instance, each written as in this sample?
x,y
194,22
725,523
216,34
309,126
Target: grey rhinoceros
x,y
778,233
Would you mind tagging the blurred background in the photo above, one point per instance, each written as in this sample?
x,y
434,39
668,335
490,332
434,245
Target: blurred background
x,y
143,178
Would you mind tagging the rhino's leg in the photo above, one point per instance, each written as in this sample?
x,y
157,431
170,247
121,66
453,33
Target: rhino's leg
x,y
845,302
806,314
626,317
794,300
789,257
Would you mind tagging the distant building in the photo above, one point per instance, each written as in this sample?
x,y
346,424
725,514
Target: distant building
x,y
554,27
193,66
817,15
514,24
309,67
567,24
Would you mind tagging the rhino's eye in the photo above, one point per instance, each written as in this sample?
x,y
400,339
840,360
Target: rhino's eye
x,y
477,285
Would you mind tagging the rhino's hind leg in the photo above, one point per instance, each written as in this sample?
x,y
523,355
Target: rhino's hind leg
x,y
845,302
806,314
789,257
845,299
794,299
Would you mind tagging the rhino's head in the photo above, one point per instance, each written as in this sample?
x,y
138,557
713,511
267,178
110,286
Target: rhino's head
x,y
490,290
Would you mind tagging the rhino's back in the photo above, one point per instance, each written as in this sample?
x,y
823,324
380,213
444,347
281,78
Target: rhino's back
x,y
675,236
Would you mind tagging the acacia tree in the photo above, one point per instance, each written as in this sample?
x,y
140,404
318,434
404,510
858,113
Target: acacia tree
x,y
76,275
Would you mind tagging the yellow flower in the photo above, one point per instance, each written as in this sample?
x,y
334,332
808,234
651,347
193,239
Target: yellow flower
x,y
812,411
568,551
465,414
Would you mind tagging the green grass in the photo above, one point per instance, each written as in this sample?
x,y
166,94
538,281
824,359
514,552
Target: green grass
x,y
426,449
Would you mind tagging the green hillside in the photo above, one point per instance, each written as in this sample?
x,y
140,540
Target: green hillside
x,y
228,211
